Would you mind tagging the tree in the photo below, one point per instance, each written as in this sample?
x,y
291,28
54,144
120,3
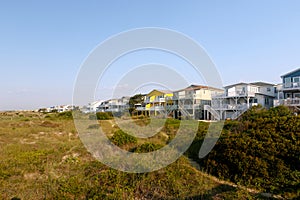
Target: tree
x,y
136,99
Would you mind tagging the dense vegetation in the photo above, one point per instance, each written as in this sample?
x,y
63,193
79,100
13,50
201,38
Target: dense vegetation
x,y
261,150
43,158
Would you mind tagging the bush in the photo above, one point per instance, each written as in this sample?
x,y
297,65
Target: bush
x,y
121,138
104,115
147,147
65,115
260,150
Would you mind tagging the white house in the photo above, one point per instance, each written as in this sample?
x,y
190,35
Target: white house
x,y
239,97
114,105
92,107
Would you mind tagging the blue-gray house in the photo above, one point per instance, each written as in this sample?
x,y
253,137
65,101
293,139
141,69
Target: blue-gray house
x,y
291,88
291,84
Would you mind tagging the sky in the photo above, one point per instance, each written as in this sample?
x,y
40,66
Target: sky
x,y
43,44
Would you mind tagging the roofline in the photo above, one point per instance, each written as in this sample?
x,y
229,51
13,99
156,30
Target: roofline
x,y
162,91
265,83
289,73
241,83
199,87
253,83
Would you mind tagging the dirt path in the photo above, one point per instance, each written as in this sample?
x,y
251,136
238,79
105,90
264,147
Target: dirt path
x,y
250,190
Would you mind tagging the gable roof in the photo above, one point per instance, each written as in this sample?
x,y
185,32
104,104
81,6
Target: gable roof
x,y
160,91
165,91
198,87
296,70
262,84
259,83
241,83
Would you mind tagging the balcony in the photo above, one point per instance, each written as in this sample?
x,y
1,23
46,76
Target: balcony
x,y
156,108
234,94
156,100
240,93
140,108
233,107
290,102
293,86
185,96
112,110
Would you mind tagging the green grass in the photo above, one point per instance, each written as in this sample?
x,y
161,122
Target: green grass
x,y
42,157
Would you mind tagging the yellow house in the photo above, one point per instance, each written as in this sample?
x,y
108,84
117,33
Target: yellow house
x,y
158,101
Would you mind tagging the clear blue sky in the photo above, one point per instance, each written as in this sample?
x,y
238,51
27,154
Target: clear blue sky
x,y
43,43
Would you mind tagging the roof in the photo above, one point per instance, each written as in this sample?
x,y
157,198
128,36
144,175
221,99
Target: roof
x,y
165,91
253,83
160,91
95,103
241,83
197,87
290,72
262,84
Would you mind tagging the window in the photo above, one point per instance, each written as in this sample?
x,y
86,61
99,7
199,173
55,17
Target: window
x,y
205,102
287,82
267,101
296,79
268,89
297,95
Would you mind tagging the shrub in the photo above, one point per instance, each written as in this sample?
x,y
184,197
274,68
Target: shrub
x,y
147,147
260,150
121,138
65,115
104,115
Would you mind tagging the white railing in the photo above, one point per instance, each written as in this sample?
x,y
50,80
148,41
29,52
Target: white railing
x,y
217,96
233,94
140,108
233,107
290,102
113,110
240,93
161,100
157,108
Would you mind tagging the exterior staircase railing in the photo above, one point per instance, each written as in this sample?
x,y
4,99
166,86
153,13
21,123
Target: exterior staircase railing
x,y
212,111
183,111
241,111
